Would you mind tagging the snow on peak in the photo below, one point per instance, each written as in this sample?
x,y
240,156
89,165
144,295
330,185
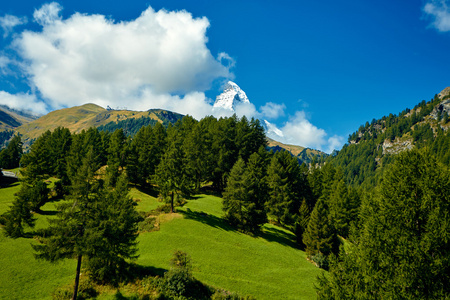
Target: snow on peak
x,y
272,131
231,95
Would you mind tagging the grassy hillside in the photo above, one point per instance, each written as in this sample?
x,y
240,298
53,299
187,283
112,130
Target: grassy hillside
x,y
83,117
267,267
305,155
10,118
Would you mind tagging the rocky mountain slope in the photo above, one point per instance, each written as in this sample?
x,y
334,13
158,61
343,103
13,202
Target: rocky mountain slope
x,y
374,145
231,96
11,118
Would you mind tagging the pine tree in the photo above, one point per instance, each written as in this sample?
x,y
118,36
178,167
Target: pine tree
x,y
28,200
172,176
287,186
402,249
100,224
10,156
234,196
116,155
320,236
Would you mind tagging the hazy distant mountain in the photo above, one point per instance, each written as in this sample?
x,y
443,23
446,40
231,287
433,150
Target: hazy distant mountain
x,y
12,118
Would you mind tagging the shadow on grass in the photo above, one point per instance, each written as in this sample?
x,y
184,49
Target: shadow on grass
x,y
139,272
209,190
119,296
207,219
6,182
270,234
279,236
147,190
47,212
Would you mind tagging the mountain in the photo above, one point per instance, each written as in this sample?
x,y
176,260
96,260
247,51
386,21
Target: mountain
x,y
374,145
231,96
12,118
91,115
304,155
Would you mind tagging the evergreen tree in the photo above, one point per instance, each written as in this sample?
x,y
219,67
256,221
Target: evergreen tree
x,y
172,176
246,194
28,200
100,224
287,185
116,155
235,195
301,223
11,155
320,237
402,249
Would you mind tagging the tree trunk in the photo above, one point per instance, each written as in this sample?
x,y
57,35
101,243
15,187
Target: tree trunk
x,y
171,203
77,279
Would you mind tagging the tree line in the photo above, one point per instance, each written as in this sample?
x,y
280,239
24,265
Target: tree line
x,y
390,236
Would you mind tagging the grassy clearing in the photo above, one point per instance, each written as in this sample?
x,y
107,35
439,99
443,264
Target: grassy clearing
x,y
145,202
23,277
7,196
266,266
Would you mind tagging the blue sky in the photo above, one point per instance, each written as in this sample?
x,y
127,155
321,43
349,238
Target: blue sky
x,y
321,68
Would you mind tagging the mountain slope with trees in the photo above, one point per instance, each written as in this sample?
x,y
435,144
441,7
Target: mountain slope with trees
x,y
375,144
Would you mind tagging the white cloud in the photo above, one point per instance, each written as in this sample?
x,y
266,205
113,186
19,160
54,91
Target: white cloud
x,y
273,110
21,101
441,14
334,143
8,22
298,130
139,64
47,14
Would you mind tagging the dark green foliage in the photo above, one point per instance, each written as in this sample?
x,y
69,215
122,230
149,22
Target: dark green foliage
x,y
117,153
5,136
320,236
344,204
402,249
146,150
363,159
172,176
48,155
11,155
287,187
301,223
28,200
179,282
100,224
81,143
246,194
130,126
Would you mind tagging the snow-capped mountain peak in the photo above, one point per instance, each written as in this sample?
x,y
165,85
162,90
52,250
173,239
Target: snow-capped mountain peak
x,y
231,95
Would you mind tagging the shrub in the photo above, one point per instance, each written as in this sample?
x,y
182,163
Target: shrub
x,y
320,260
86,290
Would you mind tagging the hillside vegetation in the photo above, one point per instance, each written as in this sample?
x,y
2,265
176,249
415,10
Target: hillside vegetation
x,y
375,144
374,216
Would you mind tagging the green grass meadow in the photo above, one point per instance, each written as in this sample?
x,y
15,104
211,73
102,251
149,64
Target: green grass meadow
x,y
268,266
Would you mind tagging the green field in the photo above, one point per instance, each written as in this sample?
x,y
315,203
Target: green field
x,y
267,266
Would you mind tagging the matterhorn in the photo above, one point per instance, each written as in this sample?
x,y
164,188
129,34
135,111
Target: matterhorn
x,y
231,96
